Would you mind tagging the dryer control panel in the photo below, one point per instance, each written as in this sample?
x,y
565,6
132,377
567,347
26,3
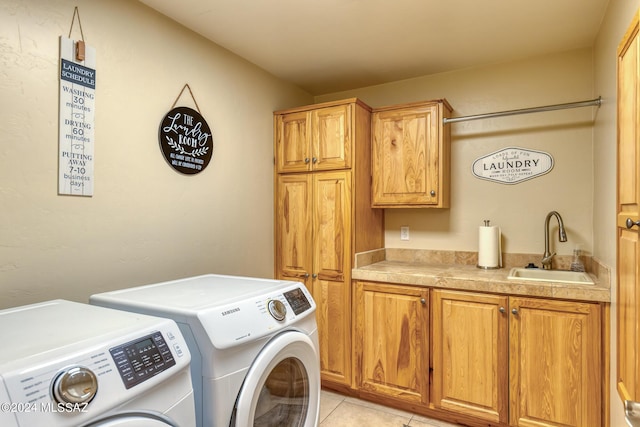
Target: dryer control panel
x,y
139,360
259,316
297,300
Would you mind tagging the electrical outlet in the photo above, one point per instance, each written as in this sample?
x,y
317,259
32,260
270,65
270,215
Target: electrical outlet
x,y
404,233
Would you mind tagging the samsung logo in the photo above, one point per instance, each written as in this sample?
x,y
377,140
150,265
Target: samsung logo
x,y
228,312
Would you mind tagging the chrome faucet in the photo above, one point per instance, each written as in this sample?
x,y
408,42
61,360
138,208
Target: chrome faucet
x,y
562,235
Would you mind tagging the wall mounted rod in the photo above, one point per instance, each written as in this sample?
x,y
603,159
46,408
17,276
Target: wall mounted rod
x,y
593,102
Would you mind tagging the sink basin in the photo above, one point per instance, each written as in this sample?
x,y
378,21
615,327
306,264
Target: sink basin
x,y
559,276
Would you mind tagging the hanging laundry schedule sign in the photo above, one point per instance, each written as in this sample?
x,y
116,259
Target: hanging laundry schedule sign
x,y
77,117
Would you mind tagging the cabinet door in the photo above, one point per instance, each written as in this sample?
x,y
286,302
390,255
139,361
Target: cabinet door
x,y
392,330
294,198
331,274
331,138
628,279
406,156
293,139
470,354
555,363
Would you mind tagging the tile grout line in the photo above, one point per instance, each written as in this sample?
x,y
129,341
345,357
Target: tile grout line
x,y
331,412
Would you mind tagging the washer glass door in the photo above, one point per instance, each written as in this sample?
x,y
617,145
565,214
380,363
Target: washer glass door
x,y
132,421
282,387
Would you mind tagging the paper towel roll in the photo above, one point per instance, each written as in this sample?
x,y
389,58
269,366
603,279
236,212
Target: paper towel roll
x,y
489,247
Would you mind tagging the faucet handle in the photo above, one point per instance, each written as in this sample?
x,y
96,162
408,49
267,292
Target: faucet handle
x,y
546,261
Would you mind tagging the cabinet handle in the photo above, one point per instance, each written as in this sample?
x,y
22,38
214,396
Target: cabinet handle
x,y
502,310
630,223
306,160
433,193
423,301
314,160
514,311
306,275
314,275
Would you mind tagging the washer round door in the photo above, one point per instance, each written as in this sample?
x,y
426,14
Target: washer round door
x,y
282,387
134,419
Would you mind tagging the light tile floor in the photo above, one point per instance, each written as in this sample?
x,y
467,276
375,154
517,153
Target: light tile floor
x,y
337,410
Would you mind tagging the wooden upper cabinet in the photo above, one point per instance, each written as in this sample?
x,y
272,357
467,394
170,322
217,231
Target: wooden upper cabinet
x,y
293,141
331,141
314,140
411,155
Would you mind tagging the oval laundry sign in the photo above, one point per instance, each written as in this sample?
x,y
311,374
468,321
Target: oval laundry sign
x,y
186,140
512,165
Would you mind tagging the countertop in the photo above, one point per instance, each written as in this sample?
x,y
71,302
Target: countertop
x,y
453,270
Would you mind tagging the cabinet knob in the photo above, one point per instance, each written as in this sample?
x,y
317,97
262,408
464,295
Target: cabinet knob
x,y
433,193
423,301
306,160
502,310
514,311
306,275
314,160
314,275
630,223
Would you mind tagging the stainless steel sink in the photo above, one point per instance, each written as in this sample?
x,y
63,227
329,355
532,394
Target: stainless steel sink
x,y
558,276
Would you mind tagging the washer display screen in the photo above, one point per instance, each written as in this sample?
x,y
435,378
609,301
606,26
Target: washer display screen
x,y
142,359
297,300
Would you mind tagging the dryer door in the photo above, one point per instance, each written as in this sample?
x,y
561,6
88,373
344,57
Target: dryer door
x,y
282,387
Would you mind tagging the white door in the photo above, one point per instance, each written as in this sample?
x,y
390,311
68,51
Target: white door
x,y
282,387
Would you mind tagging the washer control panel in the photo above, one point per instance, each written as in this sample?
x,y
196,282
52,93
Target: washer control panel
x,y
69,364
139,360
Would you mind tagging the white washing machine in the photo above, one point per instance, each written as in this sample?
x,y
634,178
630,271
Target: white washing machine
x,y
254,346
68,364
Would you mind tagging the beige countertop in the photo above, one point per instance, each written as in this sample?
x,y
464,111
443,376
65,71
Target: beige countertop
x,y
457,270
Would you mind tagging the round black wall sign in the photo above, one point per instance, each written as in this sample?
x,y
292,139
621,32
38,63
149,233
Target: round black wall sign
x,y
186,140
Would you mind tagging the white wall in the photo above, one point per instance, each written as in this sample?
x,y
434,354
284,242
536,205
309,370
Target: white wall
x,y
145,222
519,209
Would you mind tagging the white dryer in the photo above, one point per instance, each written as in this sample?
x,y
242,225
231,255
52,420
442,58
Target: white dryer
x,y
254,346
67,364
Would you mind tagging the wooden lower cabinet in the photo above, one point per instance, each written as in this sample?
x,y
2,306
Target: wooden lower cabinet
x,y
490,360
470,351
554,363
333,300
392,341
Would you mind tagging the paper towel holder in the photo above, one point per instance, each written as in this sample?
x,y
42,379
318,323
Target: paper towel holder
x,y
494,263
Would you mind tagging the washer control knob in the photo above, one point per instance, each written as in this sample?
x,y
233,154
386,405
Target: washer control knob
x,y
76,385
277,309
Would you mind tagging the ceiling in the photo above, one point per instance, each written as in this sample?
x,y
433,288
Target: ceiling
x,y
326,46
